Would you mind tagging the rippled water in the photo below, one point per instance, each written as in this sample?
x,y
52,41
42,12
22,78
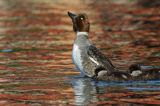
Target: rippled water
x,y
88,91
35,57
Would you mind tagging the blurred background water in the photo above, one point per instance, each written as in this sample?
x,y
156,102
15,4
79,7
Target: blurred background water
x,y
36,40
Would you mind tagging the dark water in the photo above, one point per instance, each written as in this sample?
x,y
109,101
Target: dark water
x,y
35,54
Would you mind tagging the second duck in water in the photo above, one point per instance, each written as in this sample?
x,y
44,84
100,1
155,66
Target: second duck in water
x,y
87,58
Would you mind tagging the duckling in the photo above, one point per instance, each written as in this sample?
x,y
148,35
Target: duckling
x,y
142,72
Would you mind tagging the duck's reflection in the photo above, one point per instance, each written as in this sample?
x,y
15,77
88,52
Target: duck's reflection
x,y
85,91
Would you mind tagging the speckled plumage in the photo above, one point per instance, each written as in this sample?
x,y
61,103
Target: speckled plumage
x,y
91,60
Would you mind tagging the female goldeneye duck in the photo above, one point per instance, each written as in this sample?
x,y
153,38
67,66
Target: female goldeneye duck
x,y
91,62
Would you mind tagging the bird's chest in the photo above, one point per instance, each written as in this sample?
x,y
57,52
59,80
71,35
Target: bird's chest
x,y
77,57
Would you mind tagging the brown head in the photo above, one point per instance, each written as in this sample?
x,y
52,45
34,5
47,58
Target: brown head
x,y
80,22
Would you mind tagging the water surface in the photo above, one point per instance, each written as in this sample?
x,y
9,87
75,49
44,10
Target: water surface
x,y
36,40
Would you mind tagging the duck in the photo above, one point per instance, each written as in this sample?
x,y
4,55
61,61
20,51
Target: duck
x,y
139,71
88,59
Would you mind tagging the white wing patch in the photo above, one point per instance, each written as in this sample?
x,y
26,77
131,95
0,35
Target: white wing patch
x,y
93,60
136,73
124,76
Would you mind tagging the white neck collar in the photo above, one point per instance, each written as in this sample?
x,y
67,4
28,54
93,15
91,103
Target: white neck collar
x,y
82,33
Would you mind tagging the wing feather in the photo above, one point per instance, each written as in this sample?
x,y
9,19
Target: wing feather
x,y
96,55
